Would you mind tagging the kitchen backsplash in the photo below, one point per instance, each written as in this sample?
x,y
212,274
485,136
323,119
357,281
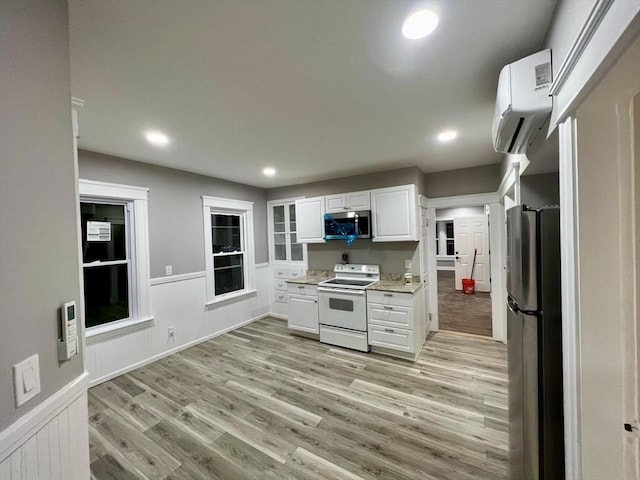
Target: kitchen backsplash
x,y
389,255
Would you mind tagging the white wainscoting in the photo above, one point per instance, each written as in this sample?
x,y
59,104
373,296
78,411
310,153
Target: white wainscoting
x,y
179,305
51,442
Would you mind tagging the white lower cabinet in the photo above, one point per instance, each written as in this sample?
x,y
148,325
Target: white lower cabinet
x,y
280,297
395,321
303,307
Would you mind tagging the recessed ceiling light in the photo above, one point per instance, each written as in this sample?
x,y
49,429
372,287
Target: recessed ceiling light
x,y
419,24
269,171
447,135
157,138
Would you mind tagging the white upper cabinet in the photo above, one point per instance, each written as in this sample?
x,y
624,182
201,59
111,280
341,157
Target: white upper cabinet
x,y
310,220
344,202
394,213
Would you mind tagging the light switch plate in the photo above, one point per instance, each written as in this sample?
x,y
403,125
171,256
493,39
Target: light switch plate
x,y
407,264
26,379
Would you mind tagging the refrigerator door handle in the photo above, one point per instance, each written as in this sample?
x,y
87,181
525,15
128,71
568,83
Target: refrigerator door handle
x,y
513,306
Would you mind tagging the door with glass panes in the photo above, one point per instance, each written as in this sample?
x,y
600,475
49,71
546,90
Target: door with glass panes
x,y
284,239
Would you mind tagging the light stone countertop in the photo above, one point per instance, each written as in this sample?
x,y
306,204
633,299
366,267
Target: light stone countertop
x,y
387,283
313,277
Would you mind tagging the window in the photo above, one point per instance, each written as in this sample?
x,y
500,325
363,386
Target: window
x,y
229,248
283,233
115,263
445,244
105,262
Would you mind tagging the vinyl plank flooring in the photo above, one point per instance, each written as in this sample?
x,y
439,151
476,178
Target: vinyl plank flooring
x,y
259,403
460,312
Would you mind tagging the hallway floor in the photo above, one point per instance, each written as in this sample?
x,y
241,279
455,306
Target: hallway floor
x,y
462,313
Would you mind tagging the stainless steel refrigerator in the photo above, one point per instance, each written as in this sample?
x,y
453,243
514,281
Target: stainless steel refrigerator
x,y
534,344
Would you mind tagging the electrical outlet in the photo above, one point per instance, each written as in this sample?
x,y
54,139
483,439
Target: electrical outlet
x,y
407,264
172,331
168,270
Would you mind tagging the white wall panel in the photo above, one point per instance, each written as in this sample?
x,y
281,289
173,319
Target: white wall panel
x,y
180,305
59,449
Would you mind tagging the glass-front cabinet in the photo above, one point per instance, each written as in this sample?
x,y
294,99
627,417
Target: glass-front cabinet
x,y
288,258
283,236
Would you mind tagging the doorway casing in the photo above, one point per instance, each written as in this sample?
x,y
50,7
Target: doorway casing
x,y
497,243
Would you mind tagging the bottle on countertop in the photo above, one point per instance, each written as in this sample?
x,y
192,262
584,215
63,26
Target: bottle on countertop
x,y
345,258
408,278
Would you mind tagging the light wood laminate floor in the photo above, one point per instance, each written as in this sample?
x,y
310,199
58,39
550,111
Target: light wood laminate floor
x,y
260,403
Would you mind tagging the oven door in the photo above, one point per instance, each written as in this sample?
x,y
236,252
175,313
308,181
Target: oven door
x,y
343,308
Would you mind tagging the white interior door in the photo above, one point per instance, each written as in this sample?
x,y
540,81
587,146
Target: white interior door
x,y
471,234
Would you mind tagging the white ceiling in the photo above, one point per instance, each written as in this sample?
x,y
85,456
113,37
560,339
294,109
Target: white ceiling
x,y
314,88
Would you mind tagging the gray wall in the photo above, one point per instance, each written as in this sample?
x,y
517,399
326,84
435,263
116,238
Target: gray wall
x,y
38,227
388,178
176,230
540,190
464,181
389,255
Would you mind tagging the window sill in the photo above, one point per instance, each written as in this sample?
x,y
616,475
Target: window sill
x,y
230,297
102,332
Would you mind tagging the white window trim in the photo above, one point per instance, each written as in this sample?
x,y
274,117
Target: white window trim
x,y
245,209
137,197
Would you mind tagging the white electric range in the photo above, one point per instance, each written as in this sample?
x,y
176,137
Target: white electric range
x,y
343,305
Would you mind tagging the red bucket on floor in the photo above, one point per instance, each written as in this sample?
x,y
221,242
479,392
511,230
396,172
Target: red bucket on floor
x,y
468,286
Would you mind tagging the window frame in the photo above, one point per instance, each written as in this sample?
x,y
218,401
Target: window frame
x,y
444,256
243,209
129,256
135,200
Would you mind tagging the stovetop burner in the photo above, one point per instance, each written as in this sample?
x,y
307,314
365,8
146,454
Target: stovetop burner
x,y
353,276
341,281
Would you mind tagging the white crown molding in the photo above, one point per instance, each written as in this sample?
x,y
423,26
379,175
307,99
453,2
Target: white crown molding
x,y
587,31
463,200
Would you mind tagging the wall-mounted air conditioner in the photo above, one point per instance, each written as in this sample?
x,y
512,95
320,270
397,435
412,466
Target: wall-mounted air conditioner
x,y
523,103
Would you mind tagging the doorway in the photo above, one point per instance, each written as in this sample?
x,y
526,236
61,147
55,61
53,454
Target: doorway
x,y
488,203
462,252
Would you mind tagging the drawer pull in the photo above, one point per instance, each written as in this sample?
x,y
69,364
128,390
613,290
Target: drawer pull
x,y
300,286
388,308
280,273
294,274
388,294
389,330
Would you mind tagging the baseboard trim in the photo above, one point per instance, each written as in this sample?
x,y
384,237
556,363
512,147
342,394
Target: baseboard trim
x,y
166,353
279,316
16,434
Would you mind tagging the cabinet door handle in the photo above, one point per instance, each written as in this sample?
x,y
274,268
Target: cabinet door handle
x,y
389,330
279,273
294,274
300,286
388,294
388,308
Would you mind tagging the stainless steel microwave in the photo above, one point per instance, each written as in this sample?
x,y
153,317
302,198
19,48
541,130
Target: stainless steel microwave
x,y
337,226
